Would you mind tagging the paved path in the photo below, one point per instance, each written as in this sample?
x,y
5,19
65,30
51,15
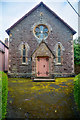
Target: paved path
x,y
28,99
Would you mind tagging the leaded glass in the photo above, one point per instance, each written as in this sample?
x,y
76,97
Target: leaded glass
x,y
41,31
59,59
24,59
24,54
59,51
59,54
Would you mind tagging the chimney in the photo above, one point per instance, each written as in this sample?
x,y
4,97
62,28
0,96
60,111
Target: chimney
x,y
6,42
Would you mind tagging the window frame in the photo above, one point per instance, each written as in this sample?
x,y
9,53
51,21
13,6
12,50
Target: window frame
x,y
38,26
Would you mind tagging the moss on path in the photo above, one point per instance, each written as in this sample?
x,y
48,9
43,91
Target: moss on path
x,y
40,99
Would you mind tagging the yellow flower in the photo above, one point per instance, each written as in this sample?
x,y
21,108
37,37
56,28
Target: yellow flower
x,y
55,111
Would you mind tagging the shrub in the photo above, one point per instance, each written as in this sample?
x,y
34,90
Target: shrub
x,y
77,90
0,95
4,88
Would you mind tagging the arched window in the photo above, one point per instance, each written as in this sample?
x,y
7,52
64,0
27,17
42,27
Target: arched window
x,y
24,54
59,54
24,49
59,50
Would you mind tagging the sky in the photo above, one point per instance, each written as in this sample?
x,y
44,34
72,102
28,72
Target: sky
x,y
12,10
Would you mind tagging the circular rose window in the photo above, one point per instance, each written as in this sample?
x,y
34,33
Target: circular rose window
x,y
41,31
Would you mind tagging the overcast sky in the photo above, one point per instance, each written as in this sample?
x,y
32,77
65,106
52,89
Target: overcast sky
x,y
13,10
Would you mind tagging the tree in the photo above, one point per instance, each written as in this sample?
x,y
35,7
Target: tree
x,y
77,51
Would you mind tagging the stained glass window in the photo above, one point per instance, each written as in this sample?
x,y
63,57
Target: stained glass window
x,y
24,54
41,31
59,54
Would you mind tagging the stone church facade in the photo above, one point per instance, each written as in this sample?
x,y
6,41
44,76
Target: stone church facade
x,y
41,45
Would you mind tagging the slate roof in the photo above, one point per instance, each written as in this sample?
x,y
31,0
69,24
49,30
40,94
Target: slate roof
x,y
4,44
26,15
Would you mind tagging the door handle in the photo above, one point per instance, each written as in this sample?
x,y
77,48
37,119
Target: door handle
x,y
47,73
43,65
38,73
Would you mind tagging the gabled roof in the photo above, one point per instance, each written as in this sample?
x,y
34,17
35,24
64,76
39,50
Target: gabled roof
x,y
26,15
4,44
39,46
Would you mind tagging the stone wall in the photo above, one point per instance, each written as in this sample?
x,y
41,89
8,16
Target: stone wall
x,y
23,32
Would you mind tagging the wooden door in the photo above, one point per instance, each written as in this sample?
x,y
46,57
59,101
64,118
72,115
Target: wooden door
x,y
42,67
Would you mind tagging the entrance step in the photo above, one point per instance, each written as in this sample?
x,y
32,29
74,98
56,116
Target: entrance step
x,y
44,80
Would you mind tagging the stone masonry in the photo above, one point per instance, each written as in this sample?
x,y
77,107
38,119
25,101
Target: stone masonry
x,y
22,32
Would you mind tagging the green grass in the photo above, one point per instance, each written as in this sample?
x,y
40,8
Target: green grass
x,y
77,90
3,93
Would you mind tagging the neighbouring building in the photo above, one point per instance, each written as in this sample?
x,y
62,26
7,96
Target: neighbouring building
x,y
4,56
41,45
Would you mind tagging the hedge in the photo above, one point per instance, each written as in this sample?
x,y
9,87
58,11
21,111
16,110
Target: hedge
x,y
3,93
77,90
0,95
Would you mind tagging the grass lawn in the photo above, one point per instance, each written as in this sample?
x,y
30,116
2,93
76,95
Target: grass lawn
x,y
40,99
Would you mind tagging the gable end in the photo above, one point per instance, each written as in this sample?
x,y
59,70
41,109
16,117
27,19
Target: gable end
x,y
26,15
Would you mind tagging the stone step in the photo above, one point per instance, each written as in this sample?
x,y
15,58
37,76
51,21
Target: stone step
x,y
45,80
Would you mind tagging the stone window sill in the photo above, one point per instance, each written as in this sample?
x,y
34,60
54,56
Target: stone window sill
x,y
24,63
58,64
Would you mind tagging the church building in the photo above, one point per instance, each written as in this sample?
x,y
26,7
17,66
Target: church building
x,y
41,45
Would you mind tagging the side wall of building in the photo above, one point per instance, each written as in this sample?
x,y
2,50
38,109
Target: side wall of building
x,y
2,57
1,61
6,59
